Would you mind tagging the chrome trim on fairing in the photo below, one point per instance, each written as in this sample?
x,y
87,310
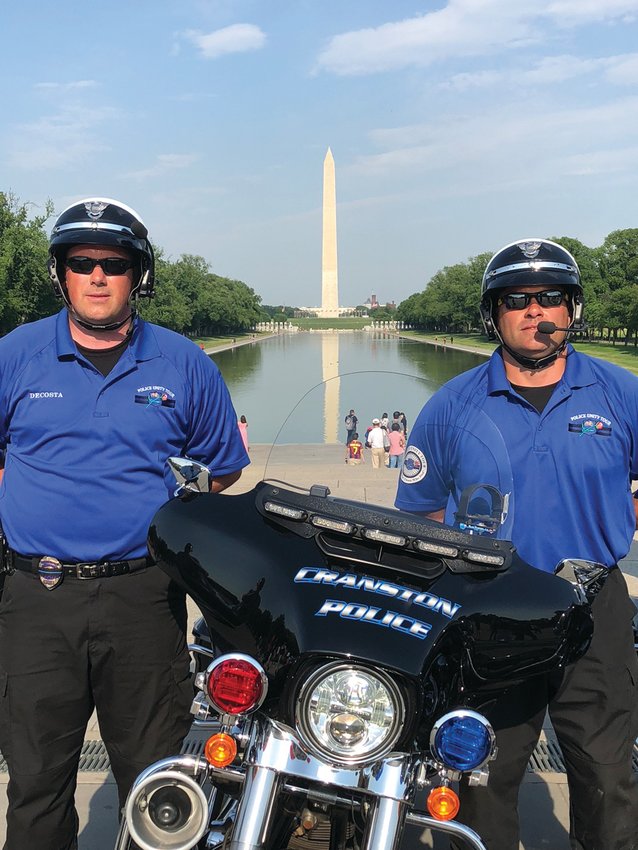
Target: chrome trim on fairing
x,y
203,650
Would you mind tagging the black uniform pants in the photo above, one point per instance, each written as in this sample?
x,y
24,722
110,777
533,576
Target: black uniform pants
x,y
117,644
594,711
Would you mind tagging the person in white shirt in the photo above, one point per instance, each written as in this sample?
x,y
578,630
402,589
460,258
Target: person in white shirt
x,y
376,438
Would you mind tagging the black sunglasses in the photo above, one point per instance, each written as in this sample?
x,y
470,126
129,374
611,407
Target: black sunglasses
x,y
110,266
520,300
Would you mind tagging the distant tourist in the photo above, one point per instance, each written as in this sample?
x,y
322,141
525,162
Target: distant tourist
x,y
243,430
385,421
404,424
351,425
376,439
397,445
354,451
396,419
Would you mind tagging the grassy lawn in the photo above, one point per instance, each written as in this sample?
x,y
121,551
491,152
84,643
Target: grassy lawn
x,y
621,355
226,339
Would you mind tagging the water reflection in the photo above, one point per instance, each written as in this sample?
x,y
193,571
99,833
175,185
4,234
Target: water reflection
x,y
330,371
241,365
270,379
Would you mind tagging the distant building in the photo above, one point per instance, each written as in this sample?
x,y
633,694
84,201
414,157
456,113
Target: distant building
x,y
373,304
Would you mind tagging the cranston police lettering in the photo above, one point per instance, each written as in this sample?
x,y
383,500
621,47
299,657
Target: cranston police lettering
x,y
369,614
46,395
319,575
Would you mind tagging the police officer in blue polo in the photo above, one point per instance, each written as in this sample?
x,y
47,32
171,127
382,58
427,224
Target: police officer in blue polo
x,y
92,402
570,426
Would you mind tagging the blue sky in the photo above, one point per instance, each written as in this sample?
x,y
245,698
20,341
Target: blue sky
x,y
456,126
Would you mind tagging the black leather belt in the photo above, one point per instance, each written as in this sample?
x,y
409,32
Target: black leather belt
x,y
83,571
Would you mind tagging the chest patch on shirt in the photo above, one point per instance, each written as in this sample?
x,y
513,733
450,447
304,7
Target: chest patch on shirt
x,y
590,424
415,466
155,397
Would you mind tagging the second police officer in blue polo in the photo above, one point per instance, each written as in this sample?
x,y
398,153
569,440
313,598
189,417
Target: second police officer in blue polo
x,y
569,424
92,403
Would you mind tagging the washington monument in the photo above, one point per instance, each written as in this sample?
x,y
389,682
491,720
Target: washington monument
x,y
329,279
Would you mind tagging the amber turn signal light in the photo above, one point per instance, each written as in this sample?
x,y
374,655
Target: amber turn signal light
x,y
443,803
220,750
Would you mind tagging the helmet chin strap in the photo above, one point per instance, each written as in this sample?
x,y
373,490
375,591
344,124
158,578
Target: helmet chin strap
x,y
112,326
91,326
528,362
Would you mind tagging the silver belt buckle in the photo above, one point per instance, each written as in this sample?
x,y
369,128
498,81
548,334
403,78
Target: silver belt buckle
x,y
80,567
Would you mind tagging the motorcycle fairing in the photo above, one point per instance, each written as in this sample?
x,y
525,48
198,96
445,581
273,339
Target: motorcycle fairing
x,y
240,567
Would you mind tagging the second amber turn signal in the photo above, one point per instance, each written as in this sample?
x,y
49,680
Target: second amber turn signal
x,y
443,803
220,750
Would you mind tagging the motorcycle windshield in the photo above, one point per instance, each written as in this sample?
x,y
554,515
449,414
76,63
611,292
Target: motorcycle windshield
x,y
313,559
458,456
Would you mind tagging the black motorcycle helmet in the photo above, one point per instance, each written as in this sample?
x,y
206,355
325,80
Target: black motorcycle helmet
x,y
531,262
102,221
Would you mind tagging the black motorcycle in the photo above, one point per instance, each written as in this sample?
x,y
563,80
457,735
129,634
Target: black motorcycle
x,y
348,649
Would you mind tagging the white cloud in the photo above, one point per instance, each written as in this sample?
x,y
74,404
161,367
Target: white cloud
x,y
624,70
457,29
462,28
615,161
237,38
505,144
60,140
568,12
67,87
468,80
164,163
619,70
557,69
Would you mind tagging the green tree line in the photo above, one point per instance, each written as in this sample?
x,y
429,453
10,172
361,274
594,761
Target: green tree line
x,y
189,297
449,302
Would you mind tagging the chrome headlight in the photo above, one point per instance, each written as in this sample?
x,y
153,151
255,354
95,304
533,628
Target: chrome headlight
x,y
349,714
463,740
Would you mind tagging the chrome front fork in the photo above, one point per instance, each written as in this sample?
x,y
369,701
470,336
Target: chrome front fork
x,y
256,807
385,824
388,811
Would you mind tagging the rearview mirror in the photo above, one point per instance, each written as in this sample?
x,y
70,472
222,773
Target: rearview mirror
x,y
190,475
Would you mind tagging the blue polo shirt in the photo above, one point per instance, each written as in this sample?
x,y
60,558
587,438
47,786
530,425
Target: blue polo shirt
x,y
85,455
570,467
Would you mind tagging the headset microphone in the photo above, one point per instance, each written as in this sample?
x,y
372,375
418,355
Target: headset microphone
x,y
550,328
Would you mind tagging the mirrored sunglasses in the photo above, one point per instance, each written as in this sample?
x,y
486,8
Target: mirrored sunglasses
x,y
110,266
520,300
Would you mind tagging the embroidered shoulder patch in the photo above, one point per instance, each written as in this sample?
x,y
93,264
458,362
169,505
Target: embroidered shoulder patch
x,y
415,466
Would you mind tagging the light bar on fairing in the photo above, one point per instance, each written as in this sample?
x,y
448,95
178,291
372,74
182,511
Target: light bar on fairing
x,y
314,513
